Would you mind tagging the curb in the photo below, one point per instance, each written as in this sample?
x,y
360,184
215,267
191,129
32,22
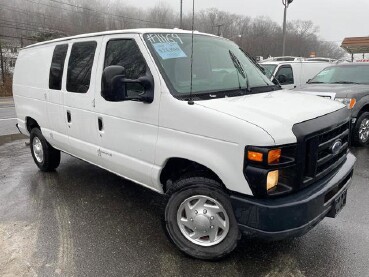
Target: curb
x,y
11,138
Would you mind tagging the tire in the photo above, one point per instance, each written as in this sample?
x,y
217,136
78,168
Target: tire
x,y
196,190
361,130
45,156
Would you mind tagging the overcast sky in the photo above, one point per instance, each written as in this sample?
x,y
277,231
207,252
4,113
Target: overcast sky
x,y
336,18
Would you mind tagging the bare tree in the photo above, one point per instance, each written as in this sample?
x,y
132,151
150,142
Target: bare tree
x,y
27,21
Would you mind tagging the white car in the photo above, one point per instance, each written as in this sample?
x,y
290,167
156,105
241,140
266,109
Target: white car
x,y
231,151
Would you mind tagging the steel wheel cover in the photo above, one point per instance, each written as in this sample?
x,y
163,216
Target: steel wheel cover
x,y
38,151
203,220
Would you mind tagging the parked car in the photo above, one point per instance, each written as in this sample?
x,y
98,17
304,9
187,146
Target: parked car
x,y
349,84
192,117
291,75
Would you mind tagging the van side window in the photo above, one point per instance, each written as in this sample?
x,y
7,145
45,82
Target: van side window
x,y
57,67
80,66
125,52
285,75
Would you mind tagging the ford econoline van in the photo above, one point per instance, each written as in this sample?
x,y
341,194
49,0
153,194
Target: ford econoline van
x,y
190,116
293,74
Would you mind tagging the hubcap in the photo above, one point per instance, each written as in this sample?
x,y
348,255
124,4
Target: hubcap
x,y
203,220
38,150
364,130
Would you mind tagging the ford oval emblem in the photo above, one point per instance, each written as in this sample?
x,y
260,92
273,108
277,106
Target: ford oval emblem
x,y
336,147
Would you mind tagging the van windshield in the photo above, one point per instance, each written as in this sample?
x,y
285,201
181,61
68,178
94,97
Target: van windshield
x,y
218,65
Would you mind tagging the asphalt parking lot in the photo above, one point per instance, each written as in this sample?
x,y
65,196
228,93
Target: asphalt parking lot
x,y
84,221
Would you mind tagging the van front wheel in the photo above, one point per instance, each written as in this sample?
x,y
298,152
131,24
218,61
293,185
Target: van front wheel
x,y
45,156
200,220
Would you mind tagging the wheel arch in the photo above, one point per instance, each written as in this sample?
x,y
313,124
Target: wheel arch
x,y
31,123
176,167
363,109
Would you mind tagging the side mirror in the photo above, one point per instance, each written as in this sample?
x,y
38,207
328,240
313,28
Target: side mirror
x,y
275,81
116,88
282,79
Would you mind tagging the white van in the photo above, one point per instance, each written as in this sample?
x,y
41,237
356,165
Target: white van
x,y
293,74
230,151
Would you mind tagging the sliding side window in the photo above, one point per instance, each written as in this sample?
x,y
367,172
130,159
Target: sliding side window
x,y
80,65
57,67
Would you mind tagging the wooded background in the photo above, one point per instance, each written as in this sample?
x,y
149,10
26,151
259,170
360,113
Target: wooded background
x,y
36,20
23,22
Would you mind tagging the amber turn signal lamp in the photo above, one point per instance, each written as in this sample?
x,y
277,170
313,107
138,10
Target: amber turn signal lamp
x,y
352,103
254,156
274,156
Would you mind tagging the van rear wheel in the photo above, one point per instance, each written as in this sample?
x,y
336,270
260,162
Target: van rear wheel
x,y
46,157
199,219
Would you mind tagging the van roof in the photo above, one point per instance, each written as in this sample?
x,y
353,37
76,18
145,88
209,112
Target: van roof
x,y
126,31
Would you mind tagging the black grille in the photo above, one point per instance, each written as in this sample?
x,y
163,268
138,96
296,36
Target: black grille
x,y
320,159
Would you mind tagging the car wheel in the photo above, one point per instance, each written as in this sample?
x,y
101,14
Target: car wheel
x,y
199,219
45,156
361,130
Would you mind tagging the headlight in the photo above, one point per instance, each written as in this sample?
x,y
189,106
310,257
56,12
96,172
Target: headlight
x,y
272,180
349,102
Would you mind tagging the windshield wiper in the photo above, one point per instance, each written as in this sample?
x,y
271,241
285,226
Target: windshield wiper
x,y
237,64
344,82
316,82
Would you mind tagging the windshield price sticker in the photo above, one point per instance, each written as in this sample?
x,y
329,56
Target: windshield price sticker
x,y
169,50
164,38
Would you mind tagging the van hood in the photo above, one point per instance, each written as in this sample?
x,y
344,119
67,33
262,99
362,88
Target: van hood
x,y
275,112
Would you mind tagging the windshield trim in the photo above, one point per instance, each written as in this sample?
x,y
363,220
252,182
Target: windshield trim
x,y
204,94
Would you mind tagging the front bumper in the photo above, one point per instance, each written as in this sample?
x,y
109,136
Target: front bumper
x,y
295,214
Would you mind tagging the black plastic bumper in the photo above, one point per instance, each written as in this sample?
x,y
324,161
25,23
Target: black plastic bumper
x,y
295,214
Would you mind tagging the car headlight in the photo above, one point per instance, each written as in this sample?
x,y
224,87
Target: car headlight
x,y
348,102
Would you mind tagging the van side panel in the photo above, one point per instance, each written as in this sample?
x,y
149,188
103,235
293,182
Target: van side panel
x,y
30,85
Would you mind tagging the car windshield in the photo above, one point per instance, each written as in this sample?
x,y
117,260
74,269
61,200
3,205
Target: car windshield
x,y
348,74
269,69
218,65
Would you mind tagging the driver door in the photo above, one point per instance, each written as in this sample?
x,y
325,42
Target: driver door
x,y
128,130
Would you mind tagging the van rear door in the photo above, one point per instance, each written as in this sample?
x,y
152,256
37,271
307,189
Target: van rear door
x,y
55,110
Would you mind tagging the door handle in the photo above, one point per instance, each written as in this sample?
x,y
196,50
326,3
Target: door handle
x,y
69,117
100,123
